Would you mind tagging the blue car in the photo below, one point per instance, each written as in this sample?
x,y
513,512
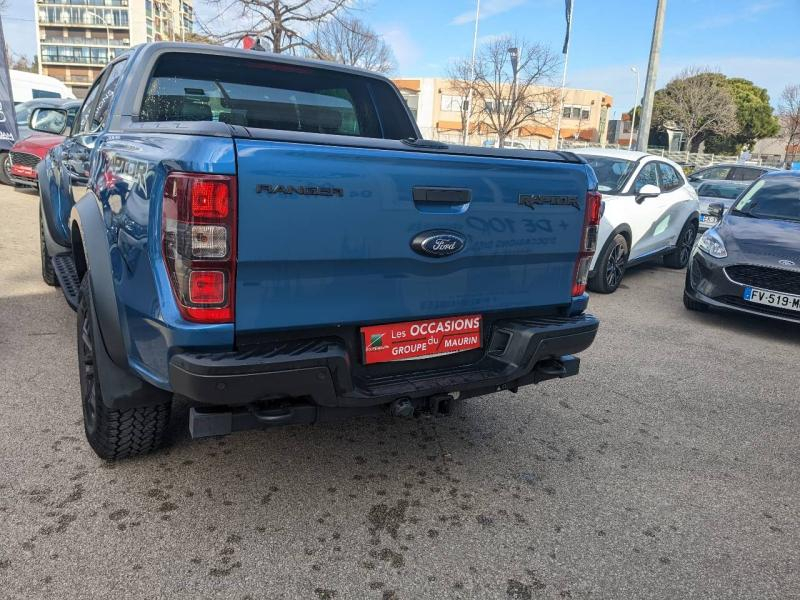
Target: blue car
x,y
271,239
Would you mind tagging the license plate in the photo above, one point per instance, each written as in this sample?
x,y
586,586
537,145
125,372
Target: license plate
x,y
420,339
708,219
777,299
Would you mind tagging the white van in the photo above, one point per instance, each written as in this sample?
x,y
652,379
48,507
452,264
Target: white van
x,y
32,86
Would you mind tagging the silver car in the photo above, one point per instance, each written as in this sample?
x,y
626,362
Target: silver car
x,y
717,192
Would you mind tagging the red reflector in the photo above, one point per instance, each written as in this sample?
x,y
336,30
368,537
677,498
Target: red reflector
x,y
594,202
210,199
207,287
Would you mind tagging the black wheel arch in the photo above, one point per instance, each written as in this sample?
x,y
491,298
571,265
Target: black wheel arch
x,y
121,389
51,231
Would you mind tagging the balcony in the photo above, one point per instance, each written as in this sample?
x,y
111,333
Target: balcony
x,y
83,41
75,60
89,3
79,79
83,23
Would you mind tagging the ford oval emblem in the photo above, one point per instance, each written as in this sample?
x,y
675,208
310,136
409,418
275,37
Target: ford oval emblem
x,y
786,263
438,243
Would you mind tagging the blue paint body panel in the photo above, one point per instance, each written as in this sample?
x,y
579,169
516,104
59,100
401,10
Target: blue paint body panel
x,y
307,261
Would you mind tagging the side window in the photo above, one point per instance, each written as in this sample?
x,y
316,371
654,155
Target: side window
x,y
746,174
670,180
648,175
103,107
716,173
84,121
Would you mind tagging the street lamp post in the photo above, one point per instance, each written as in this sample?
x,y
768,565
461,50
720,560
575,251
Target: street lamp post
x,y
635,106
514,53
472,72
650,80
108,34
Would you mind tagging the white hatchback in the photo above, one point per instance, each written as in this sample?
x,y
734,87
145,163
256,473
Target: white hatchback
x,y
651,212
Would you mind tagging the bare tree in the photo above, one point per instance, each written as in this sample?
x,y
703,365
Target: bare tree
x,y
461,80
789,115
350,41
699,103
506,100
285,25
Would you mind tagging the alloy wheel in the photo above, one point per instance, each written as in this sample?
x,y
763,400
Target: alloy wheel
x,y
687,242
615,266
88,371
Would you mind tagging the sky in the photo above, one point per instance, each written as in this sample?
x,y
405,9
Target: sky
x,y
755,39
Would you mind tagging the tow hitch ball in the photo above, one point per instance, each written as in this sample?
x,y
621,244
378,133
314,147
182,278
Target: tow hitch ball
x,y
438,404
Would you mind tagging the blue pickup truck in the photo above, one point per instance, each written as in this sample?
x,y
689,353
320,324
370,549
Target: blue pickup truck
x,y
271,240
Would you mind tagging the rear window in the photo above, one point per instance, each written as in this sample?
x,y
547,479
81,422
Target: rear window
x,y
258,93
720,190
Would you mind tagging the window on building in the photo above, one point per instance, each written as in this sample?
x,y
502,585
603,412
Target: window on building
x,y
576,112
412,101
541,111
452,103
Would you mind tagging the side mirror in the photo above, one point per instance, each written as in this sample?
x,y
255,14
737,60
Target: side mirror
x,y
48,120
717,209
647,191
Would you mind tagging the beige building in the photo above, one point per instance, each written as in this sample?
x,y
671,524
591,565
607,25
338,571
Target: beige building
x,y
77,38
437,109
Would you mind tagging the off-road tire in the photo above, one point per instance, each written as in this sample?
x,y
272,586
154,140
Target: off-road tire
x,y
679,258
48,273
610,267
112,434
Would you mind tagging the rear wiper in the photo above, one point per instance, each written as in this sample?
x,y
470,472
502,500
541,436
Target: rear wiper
x,y
420,143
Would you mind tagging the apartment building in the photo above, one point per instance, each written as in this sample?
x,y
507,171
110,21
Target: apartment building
x,y
436,105
77,38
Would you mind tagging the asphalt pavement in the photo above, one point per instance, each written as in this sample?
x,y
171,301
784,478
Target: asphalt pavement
x,y
669,468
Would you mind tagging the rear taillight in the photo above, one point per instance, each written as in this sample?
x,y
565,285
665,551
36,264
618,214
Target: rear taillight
x,y
591,226
199,244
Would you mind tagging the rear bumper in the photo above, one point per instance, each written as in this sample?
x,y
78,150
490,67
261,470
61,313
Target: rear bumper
x,y
518,352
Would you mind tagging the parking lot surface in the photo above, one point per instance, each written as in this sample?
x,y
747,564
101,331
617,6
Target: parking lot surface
x,y
669,468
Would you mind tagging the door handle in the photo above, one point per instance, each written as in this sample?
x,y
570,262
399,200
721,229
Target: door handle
x,y
441,195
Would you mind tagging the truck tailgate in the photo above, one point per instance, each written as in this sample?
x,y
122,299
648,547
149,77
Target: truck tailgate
x,y
325,232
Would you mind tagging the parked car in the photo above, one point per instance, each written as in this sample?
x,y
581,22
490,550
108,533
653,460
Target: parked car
x,y
729,172
27,86
750,262
651,212
270,238
717,192
23,113
26,153
506,144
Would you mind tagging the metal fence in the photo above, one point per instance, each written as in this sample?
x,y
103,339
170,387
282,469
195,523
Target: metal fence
x,y
695,159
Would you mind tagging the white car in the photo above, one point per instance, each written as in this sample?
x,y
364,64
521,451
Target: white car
x,y
651,212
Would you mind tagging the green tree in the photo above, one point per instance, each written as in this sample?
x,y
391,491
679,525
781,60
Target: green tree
x,y
754,117
698,103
